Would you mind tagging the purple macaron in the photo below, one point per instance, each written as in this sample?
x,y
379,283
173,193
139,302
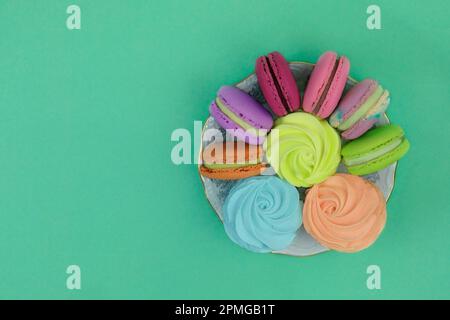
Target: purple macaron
x,y
241,115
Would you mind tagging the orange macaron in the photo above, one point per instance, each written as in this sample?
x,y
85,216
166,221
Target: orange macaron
x,y
232,160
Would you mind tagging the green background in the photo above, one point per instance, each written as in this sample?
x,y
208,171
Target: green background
x,y
85,123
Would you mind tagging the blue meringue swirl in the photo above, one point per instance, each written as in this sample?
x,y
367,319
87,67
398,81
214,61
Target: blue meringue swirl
x,y
262,214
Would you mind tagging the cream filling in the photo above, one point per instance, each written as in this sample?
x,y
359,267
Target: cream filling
x,y
355,161
241,123
230,165
380,107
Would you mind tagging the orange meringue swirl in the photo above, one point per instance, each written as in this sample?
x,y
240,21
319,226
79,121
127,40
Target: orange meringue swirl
x,y
345,213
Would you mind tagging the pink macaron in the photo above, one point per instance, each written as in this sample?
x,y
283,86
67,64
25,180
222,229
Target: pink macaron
x,y
277,83
326,84
360,109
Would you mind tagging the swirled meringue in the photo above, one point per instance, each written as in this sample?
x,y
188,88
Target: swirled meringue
x,y
303,149
262,214
345,213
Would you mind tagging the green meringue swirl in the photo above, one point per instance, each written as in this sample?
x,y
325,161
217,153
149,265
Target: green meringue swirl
x,y
303,149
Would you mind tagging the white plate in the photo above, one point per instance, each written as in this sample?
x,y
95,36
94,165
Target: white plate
x,y
217,190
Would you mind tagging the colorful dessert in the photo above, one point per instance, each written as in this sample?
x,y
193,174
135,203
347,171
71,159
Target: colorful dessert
x,y
375,150
262,214
277,84
241,115
344,213
232,160
303,149
359,110
326,84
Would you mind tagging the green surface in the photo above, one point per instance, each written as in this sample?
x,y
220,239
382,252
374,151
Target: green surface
x,y
85,123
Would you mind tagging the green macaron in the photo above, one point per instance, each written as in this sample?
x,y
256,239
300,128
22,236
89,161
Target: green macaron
x,y
375,150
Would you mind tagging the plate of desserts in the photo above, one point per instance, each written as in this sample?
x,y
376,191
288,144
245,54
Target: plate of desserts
x,y
300,158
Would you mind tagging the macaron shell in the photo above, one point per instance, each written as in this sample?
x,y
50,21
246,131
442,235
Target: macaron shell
x,y
318,79
373,139
374,101
368,121
352,100
233,173
232,127
381,162
358,129
221,118
336,89
245,107
231,152
285,80
268,88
